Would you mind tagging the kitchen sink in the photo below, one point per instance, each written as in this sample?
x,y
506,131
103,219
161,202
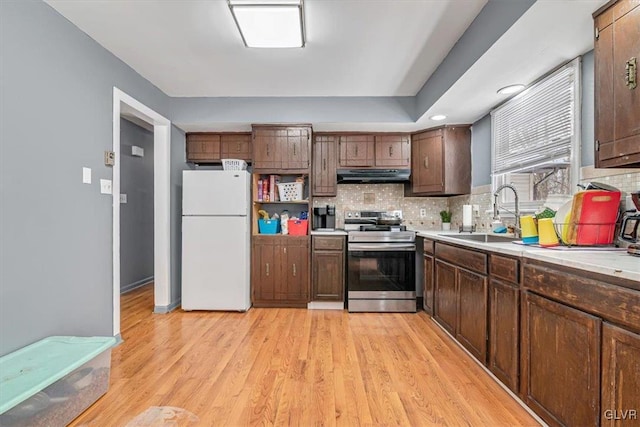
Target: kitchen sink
x,y
482,237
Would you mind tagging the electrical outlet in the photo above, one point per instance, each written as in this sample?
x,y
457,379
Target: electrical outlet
x,y
423,213
476,210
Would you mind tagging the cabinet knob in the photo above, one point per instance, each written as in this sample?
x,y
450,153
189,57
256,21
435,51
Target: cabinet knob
x,y
294,270
391,150
267,269
324,164
630,77
356,150
426,162
238,147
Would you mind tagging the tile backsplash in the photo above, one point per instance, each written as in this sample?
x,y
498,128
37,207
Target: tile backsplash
x,y
353,197
385,197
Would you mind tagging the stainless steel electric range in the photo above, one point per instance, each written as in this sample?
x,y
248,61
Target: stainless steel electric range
x,y
380,263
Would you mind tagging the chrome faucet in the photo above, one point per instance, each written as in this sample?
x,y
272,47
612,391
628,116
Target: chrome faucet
x,y
516,232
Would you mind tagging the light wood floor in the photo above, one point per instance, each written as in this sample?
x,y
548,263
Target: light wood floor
x,y
296,367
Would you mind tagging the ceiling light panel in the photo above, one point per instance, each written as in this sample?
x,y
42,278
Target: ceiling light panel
x,y
438,117
269,24
507,90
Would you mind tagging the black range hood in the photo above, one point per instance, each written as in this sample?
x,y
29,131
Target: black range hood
x,y
355,176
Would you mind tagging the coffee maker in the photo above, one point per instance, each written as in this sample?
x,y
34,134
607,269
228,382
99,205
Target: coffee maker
x,y
324,218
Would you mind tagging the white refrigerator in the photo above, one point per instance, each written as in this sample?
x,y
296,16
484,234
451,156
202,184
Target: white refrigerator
x,y
215,240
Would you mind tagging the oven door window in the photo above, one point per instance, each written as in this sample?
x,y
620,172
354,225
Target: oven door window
x,y
381,271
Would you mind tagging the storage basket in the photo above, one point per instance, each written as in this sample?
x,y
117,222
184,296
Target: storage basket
x,y
290,191
234,165
298,227
269,226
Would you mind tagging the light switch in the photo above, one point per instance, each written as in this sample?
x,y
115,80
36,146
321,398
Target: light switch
x,y
123,198
105,186
86,175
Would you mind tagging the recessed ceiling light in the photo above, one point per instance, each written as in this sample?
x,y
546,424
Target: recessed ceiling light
x,y
507,90
275,23
438,117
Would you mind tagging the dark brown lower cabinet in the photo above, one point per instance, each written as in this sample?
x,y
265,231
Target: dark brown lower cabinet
x,y
620,377
280,271
445,306
327,260
427,291
504,303
471,329
560,362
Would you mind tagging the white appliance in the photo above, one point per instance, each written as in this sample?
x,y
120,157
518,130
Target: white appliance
x,y
215,240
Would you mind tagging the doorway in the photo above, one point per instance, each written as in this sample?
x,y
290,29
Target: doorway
x,y
136,213
125,105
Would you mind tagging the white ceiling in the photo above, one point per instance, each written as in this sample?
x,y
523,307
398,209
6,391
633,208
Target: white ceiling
x,y
354,47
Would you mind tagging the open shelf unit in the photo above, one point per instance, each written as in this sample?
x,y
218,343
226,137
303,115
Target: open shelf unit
x,y
294,207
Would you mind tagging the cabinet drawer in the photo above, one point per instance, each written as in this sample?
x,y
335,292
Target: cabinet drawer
x,y
465,258
611,302
328,243
428,246
505,268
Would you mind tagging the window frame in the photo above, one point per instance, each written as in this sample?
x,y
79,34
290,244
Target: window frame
x,y
530,206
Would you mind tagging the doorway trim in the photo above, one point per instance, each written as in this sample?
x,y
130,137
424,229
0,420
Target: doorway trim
x,y
123,103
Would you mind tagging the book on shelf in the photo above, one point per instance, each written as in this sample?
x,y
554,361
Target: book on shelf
x,y
274,180
259,190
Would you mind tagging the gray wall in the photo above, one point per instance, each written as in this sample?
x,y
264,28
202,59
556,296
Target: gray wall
x,y
481,130
588,105
481,152
55,232
136,216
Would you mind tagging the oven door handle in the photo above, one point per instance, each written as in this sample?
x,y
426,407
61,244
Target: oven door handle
x,y
388,247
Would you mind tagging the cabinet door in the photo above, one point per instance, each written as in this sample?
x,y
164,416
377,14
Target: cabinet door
x,y
235,146
428,284
328,275
265,263
472,313
357,150
203,147
295,144
295,271
626,45
393,151
445,304
620,377
266,151
560,372
504,310
604,105
325,159
427,170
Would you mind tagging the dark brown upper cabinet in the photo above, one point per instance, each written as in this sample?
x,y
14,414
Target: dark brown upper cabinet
x,y
235,146
617,85
441,162
203,147
210,147
325,162
280,149
393,151
357,151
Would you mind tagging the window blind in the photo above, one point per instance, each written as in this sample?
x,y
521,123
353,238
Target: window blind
x,y
537,126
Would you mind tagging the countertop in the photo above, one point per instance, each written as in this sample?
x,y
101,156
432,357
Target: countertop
x,y
336,232
611,263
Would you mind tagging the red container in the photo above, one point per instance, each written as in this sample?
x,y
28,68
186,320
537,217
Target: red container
x,y
593,217
298,227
